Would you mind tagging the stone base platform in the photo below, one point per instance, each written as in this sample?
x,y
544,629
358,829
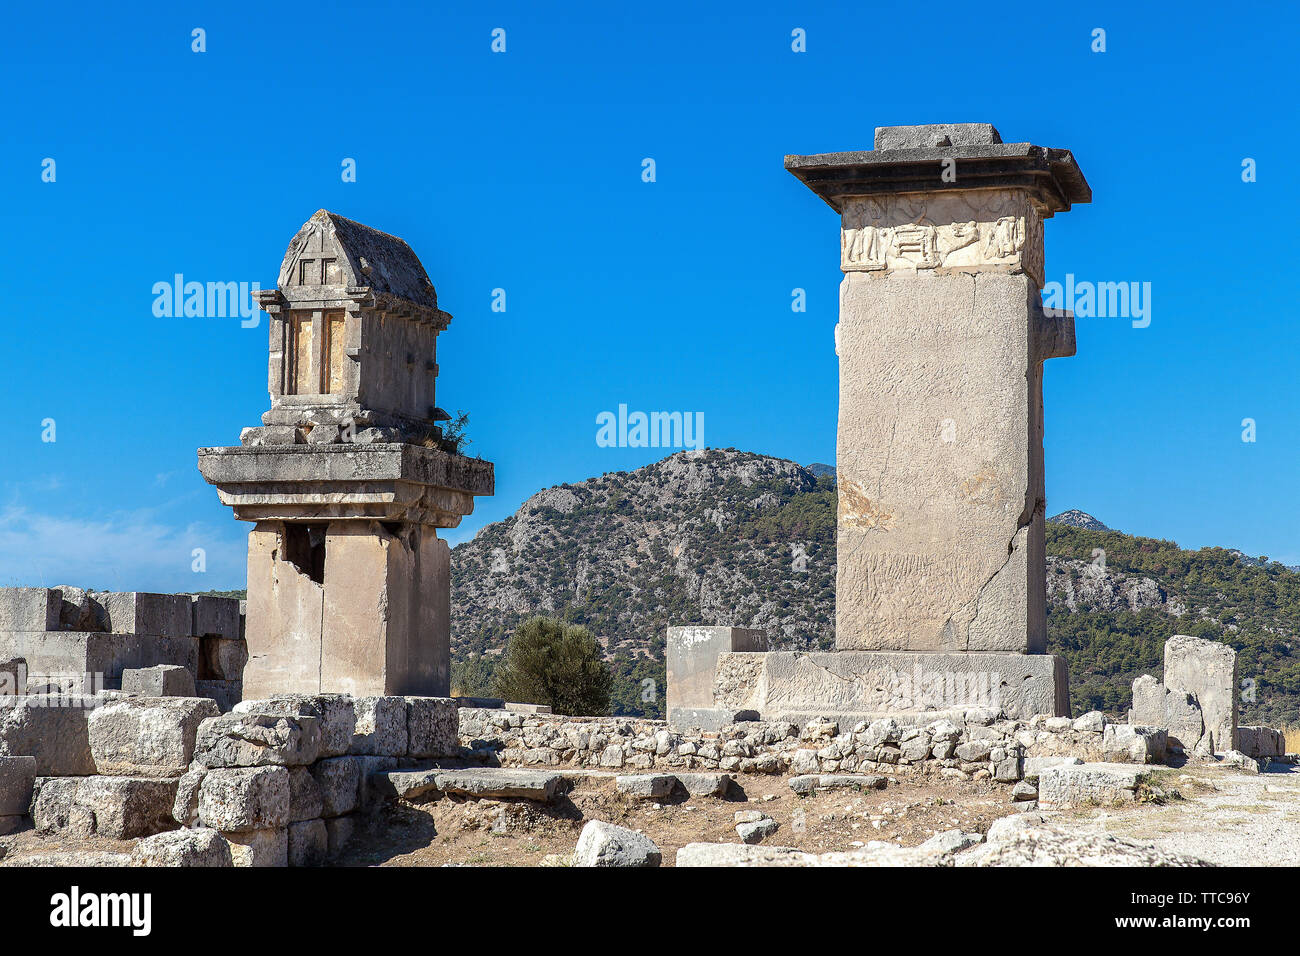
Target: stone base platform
x,y
794,686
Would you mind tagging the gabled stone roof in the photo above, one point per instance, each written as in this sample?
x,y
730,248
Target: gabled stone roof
x,y
366,257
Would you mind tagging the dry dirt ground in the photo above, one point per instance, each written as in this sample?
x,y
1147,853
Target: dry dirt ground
x,y
909,811
1223,816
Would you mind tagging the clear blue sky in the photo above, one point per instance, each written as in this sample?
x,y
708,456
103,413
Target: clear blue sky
x,y
522,171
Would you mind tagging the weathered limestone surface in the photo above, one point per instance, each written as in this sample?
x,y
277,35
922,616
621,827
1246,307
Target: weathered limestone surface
x,y
335,712
120,808
1206,671
57,736
1089,783
691,660
941,342
164,680
145,736
349,476
17,778
183,848
258,740
789,685
239,799
1197,704
604,844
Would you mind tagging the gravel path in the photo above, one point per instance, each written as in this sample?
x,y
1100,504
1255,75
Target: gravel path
x,y
1228,818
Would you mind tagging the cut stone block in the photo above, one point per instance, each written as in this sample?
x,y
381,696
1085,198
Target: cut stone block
x,y
810,783
258,740
183,848
163,680
603,844
492,782
1206,671
1261,742
75,660
691,657
222,658
1148,702
1092,783
11,824
238,799
147,736
849,685
13,676
122,808
30,609
259,848
305,799
433,727
339,782
215,617
17,780
1034,766
381,727
339,831
646,786
705,784
1124,743
308,843
139,612
336,713
57,736
405,784
225,693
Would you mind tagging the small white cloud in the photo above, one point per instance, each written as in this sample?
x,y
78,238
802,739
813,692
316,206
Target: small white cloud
x,y
124,551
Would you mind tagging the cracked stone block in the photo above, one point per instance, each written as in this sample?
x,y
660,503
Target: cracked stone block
x,y
1206,671
258,740
335,712
239,799
433,727
259,848
147,736
381,727
1087,784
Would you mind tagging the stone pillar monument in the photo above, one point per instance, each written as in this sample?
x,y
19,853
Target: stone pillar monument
x,y
349,476
940,592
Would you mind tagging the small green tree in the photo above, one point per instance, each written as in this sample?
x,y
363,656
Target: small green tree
x,y
557,664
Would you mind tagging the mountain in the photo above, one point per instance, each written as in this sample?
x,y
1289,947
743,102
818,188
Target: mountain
x,y
820,470
729,537
714,536
1078,519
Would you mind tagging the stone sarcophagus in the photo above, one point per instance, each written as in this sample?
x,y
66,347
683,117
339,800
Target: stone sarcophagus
x,y
349,475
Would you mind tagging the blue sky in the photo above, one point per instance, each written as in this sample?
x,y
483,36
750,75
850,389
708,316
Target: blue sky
x,y
522,171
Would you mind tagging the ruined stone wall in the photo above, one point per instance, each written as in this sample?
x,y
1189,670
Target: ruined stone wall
x,y
73,641
977,743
